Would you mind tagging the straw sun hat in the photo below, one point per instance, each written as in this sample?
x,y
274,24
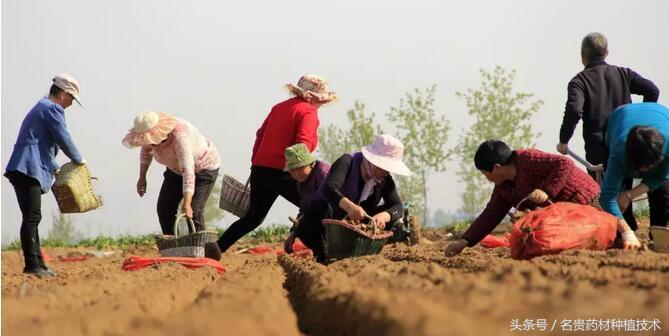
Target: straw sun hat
x,y
150,128
312,87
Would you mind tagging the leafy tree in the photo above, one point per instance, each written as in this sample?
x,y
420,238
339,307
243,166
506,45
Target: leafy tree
x,y
212,213
63,228
335,141
424,136
500,114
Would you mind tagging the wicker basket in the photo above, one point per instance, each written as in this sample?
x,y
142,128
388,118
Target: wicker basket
x,y
190,245
347,240
74,191
235,196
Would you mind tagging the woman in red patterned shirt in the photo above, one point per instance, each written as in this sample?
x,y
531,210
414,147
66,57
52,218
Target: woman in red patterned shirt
x,y
521,173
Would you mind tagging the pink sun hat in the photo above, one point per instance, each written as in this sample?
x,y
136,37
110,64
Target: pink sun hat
x,y
386,153
150,128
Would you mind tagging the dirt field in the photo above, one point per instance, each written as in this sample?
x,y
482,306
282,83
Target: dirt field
x,y
403,291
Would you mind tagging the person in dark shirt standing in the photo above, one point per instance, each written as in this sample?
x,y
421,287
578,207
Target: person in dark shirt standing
x,y
592,95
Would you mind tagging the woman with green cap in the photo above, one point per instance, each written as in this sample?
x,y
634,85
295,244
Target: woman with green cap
x,y
309,173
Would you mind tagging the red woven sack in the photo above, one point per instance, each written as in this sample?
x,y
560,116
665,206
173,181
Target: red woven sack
x,y
561,226
134,263
491,241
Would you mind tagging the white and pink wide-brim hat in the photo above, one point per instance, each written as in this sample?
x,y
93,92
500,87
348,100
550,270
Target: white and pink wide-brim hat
x,y
150,128
386,153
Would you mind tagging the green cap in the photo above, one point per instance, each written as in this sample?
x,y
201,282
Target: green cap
x,y
297,155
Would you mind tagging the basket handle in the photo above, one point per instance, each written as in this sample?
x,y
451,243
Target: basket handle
x,y
191,225
526,199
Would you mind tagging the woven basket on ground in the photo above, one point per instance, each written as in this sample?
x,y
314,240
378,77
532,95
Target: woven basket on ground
x,y
235,196
348,240
190,245
73,189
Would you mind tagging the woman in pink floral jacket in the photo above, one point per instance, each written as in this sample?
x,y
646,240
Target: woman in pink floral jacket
x,y
192,165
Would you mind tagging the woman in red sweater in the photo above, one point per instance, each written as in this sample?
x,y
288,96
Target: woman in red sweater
x,y
531,173
289,122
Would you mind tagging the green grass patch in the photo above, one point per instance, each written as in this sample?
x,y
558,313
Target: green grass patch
x,y
99,243
270,234
459,227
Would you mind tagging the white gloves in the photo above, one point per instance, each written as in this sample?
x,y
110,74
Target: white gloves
x,y
630,237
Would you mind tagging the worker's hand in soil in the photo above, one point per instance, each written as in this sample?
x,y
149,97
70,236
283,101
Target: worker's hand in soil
x,y
538,196
288,244
141,186
456,247
630,241
624,199
379,220
562,148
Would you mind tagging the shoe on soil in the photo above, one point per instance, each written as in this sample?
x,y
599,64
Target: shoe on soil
x,y
39,272
48,270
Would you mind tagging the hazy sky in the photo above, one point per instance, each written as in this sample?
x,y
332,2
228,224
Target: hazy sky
x,y
222,65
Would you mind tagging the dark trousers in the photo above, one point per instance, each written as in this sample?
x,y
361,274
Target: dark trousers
x,y
266,185
658,202
171,194
29,196
311,231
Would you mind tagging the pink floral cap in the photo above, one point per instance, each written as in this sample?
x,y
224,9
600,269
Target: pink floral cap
x,y
386,153
312,87
150,128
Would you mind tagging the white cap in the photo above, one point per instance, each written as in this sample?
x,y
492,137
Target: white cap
x,y
68,84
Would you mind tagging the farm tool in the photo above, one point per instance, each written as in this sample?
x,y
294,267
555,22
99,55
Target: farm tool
x,y
598,170
406,229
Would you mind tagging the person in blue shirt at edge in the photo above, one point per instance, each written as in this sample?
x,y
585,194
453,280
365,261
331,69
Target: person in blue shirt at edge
x,y
32,165
637,139
309,173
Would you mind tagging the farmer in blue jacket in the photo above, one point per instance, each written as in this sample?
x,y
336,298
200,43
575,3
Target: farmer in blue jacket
x,y
638,138
32,166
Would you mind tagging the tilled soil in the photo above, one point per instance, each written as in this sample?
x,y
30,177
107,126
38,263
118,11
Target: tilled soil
x,y
418,291
403,291
96,297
